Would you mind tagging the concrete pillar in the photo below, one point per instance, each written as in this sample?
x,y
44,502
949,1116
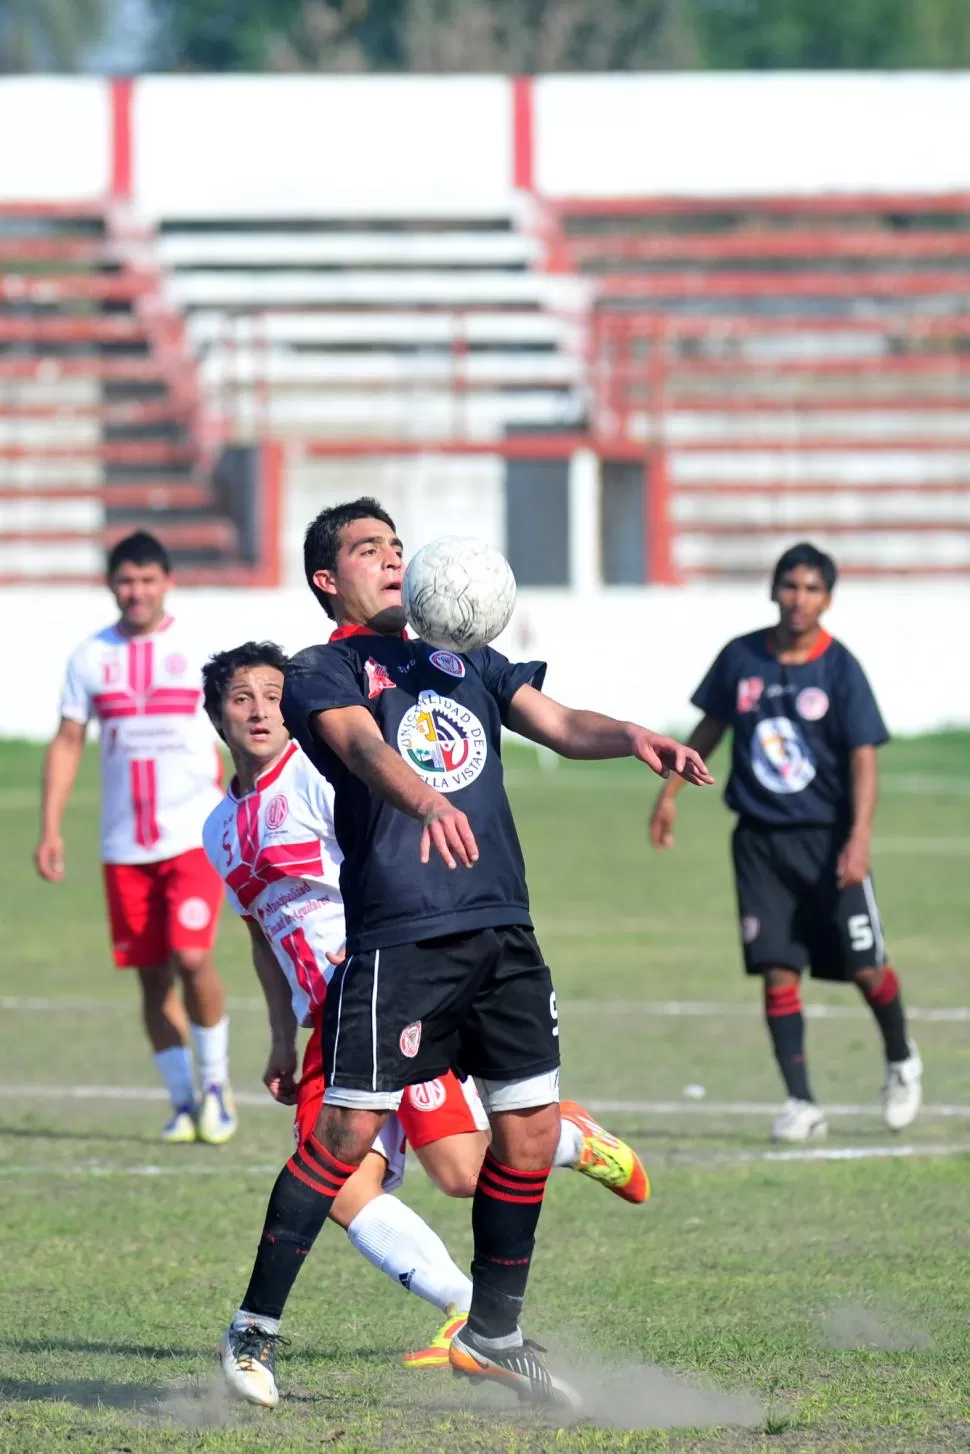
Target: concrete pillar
x,y
585,566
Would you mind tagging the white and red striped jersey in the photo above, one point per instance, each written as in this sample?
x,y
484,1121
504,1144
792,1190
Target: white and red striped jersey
x,y
277,852
160,765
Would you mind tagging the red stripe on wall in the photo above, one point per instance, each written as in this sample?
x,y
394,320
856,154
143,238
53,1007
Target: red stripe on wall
x,y
523,165
121,148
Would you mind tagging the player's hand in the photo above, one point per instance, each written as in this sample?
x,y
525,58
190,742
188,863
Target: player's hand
x,y
852,866
49,859
449,833
279,1077
338,956
665,755
662,822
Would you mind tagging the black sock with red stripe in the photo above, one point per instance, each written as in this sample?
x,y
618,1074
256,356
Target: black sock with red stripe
x,y
298,1207
786,1026
505,1214
885,1002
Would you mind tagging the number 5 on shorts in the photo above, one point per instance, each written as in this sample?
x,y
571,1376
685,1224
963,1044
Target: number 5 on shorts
x,y
861,936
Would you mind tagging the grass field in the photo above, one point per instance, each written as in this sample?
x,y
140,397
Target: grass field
x,y
760,1301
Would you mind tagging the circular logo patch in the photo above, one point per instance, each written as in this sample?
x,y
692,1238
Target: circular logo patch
x,y
276,811
176,664
193,914
750,928
442,741
410,1039
812,703
780,756
448,662
429,1096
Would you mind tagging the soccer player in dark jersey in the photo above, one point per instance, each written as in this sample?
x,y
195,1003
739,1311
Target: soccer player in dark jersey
x,y
804,783
442,970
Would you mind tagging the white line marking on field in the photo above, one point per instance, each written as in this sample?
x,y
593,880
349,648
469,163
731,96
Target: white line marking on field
x,y
179,1168
139,1093
661,1009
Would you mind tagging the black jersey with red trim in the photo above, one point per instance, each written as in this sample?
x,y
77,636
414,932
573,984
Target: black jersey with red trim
x,y
444,714
794,728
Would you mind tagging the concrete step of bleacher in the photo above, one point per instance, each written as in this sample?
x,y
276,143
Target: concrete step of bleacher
x,y
259,250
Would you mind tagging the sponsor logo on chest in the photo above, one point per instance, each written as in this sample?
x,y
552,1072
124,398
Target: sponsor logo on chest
x,y
443,741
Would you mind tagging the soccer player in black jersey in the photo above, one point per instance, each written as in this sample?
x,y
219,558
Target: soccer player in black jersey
x,y
804,783
442,970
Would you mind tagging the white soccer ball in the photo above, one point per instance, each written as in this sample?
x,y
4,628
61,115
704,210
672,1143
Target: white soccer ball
x,y
458,593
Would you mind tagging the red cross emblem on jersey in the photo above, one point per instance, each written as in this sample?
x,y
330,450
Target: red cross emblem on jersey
x,y
261,866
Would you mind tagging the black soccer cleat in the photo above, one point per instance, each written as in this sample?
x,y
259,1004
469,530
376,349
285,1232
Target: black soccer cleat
x,y
522,1368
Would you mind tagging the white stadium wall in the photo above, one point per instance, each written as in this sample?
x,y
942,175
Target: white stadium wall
x,y
259,146
635,653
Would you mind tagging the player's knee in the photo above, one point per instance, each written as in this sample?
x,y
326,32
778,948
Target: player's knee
x,y
347,1134
190,963
456,1178
868,980
526,1138
156,981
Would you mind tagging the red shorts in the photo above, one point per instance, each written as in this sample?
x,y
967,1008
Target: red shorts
x,y
429,1112
155,908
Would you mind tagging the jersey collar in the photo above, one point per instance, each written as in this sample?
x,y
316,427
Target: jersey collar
x,y
819,649
342,632
264,779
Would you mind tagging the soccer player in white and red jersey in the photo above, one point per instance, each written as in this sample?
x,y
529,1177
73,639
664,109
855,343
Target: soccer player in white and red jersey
x,y
272,839
160,778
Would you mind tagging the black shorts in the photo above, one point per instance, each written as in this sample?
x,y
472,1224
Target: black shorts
x,y
791,910
480,1003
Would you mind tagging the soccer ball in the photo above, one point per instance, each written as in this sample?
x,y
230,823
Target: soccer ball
x,y
458,593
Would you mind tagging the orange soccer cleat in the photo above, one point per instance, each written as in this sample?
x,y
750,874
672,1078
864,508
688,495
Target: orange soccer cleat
x,y
606,1158
436,1353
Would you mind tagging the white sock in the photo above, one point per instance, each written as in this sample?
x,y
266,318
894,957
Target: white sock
x,y
395,1239
570,1145
175,1068
212,1052
498,1345
255,1320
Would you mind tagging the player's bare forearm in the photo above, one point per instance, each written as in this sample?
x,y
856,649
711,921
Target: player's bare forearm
x,y
354,736
590,735
60,773
704,739
276,991
864,772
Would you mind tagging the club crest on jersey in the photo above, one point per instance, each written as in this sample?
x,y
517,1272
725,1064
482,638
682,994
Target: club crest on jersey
x,y
410,1039
448,662
780,756
442,741
812,704
750,691
276,812
430,1096
379,678
176,664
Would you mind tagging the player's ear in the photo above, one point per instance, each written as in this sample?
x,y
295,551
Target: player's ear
x,y
326,581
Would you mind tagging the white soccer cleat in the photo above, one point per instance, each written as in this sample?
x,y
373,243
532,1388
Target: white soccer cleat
x,y
249,1364
902,1094
799,1121
180,1130
217,1115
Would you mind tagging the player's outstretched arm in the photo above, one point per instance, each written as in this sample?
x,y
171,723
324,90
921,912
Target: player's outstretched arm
x,y
60,772
590,735
704,739
279,1077
355,737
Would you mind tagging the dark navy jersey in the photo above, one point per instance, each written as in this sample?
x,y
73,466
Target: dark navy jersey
x,y
444,714
794,728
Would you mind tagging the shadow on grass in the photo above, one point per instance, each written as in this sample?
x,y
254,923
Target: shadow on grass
x,y
87,1393
79,1345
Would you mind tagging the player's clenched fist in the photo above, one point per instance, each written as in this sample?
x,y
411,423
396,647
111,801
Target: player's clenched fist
x,y
279,1077
49,859
449,832
665,755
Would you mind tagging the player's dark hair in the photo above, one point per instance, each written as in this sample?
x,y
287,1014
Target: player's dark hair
x,y
322,540
804,553
141,548
220,669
